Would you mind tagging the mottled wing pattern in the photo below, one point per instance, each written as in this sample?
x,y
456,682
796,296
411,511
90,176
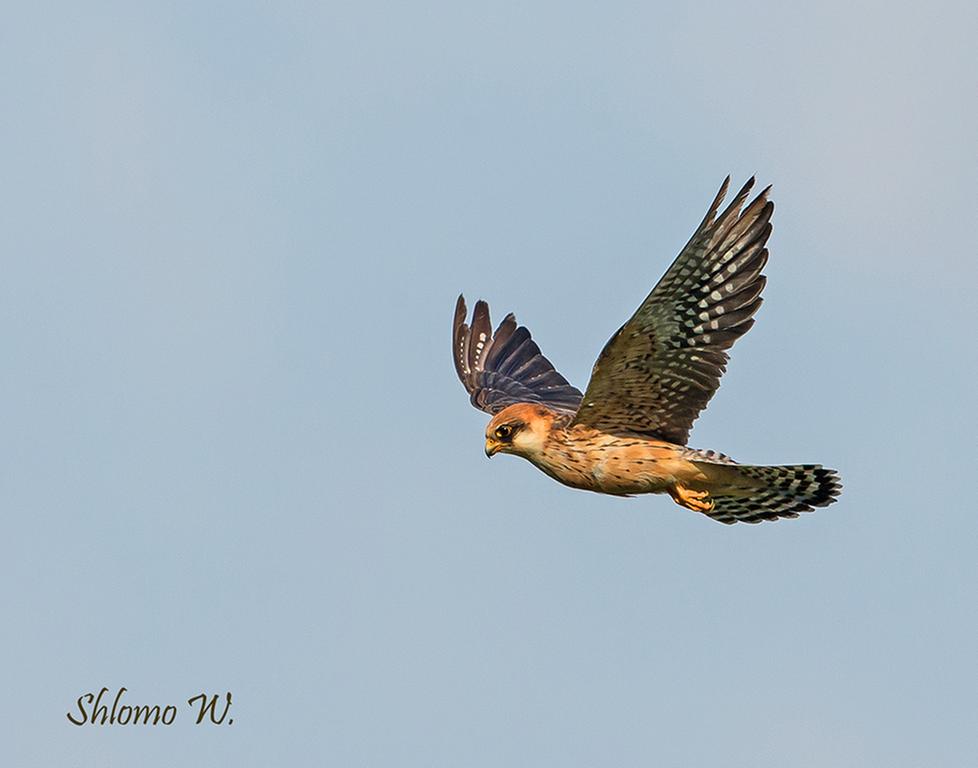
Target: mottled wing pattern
x,y
661,368
505,367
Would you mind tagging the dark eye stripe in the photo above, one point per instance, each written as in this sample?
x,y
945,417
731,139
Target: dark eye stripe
x,y
506,431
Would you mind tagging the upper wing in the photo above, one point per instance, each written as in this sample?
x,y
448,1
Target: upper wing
x,y
506,367
661,368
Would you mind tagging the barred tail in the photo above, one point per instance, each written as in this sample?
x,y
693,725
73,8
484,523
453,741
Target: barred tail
x,y
778,492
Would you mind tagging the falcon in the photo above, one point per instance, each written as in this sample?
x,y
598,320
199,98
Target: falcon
x,y
627,433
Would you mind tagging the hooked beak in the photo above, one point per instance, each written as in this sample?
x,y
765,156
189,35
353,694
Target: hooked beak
x,y
492,448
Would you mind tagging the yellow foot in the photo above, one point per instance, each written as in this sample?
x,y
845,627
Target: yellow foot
x,y
698,501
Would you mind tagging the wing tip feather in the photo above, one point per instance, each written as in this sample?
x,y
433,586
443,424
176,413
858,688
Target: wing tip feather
x,y
489,364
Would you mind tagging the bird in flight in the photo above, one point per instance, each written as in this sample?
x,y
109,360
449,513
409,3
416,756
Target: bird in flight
x,y
627,433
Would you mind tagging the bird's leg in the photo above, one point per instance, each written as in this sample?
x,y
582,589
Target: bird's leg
x,y
698,501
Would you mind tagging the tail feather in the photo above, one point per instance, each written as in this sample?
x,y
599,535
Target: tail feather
x,y
778,492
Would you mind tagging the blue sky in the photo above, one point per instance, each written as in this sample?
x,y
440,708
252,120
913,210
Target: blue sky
x,y
236,456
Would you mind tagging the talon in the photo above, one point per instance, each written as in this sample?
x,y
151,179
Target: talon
x,y
698,501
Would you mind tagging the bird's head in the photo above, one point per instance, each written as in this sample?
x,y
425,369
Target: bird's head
x,y
520,429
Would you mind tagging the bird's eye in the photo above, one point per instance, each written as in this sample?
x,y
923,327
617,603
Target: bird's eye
x,y
503,432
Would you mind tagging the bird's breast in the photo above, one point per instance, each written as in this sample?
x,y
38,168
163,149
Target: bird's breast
x,y
615,464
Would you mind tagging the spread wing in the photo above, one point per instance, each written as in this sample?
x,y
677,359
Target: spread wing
x,y
661,368
505,367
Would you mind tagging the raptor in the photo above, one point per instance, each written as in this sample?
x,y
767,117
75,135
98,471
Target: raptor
x,y
627,433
